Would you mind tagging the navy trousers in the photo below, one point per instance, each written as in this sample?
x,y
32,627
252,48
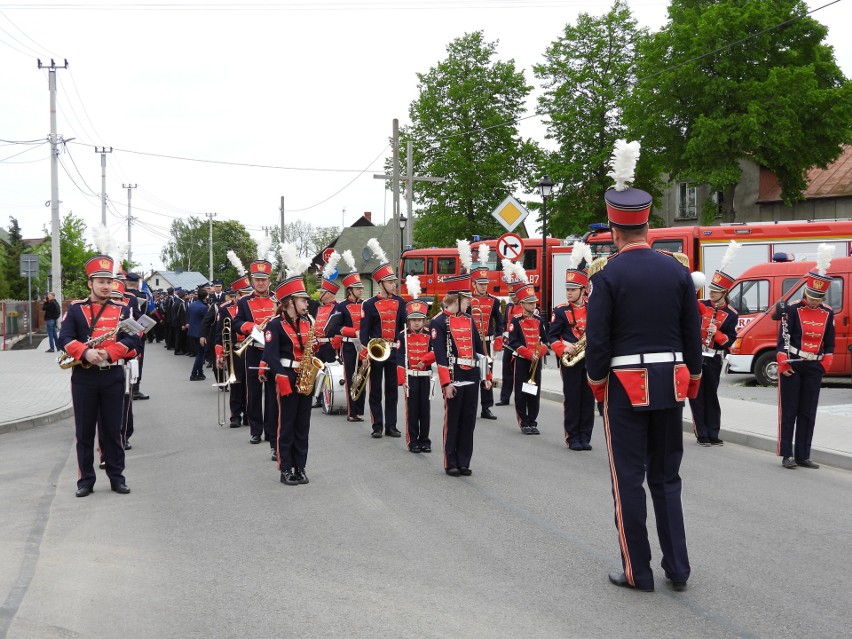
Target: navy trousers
x,y
417,411
798,397
294,425
459,423
97,395
261,403
350,357
706,412
508,381
526,405
383,376
578,405
640,443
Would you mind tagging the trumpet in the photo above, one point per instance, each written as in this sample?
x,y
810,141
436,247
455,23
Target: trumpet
x,y
255,337
533,368
378,350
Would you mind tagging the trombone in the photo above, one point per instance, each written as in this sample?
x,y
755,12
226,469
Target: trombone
x,y
228,374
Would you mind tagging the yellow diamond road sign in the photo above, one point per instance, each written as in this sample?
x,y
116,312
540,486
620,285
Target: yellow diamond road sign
x,y
510,213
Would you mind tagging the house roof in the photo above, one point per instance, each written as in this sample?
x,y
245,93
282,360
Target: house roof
x,y
354,238
833,181
181,279
4,236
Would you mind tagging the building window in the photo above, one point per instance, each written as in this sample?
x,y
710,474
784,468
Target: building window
x,y
686,201
157,281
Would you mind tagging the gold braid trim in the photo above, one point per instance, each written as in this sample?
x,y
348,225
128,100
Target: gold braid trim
x,y
597,265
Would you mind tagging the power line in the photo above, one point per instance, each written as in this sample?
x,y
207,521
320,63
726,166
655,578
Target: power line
x,y
27,150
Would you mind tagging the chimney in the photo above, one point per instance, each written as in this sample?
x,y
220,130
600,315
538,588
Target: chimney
x,y
368,215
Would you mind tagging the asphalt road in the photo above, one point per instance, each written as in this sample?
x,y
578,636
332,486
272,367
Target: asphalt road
x,y
382,543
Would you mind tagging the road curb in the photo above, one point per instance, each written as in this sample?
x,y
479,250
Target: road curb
x,y
752,440
38,420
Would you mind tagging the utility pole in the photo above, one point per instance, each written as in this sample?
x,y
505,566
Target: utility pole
x,y
396,178
409,188
281,210
129,219
210,217
55,254
103,151
342,219
266,230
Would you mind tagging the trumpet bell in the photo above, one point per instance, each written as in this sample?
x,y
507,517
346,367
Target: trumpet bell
x,y
378,349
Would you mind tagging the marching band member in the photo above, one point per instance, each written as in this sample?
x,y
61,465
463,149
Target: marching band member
x,y
567,328
485,310
327,291
513,310
254,311
287,342
382,316
718,334
414,358
642,369
345,324
528,339
139,307
237,400
805,354
97,390
456,344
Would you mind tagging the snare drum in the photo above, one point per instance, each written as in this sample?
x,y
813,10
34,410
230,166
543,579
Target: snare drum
x,y
331,388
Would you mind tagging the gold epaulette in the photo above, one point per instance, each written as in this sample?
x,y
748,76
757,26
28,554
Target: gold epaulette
x,y
680,257
598,265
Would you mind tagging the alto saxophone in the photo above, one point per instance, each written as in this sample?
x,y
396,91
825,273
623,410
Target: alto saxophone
x,y
309,366
66,361
579,354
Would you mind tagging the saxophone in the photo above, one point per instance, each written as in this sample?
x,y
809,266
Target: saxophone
x,y
310,366
65,361
579,354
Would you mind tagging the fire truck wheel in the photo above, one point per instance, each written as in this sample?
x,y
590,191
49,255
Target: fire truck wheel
x,y
766,369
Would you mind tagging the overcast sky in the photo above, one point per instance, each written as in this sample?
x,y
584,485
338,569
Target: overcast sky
x,y
309,86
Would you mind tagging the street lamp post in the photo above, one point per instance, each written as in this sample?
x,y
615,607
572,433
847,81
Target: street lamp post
x,y
545,186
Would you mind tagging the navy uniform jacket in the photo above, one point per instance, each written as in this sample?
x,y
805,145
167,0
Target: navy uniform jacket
x,y
464,344
643,302
77,330
282,342
382,317
567,323
817,340
725,319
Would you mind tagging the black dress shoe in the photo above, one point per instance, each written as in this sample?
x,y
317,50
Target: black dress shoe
x,y
487,414
376,434
620,579
806,463
414,448
254,439
121,489
393,432
425,448
576,446
102,465
139,395
703,441
453,472
127,446
84,491
587,446
195,378
787,462
502,403
301,476
526,430
677,586
235,422
467,472
715,441
534,430
289,477
274,456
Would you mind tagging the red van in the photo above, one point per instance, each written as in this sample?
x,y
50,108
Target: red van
x,y
754,296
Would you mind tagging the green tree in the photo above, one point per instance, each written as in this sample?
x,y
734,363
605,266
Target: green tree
x,y
587,76
74,251
189,250
17,285
464,126
777,98
4,281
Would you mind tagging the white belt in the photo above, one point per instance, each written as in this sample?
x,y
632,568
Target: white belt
x,y
104,365
350,339
323,340
464,361
712,352
414,373
488,338
811,357
646,358
289,363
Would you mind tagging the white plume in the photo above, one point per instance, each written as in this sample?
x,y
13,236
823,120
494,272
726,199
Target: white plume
x,y
263,248
698,279
730,253
293,264
103,240
484,252
514,272
237,262
465,255
580,251
333,259
623,163
350,260
412,285
118,252
376,248
824,254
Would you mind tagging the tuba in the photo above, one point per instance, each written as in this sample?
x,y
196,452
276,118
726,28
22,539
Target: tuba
x,y
378,350
309,366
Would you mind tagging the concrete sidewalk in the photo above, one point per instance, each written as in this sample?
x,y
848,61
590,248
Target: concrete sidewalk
x,y
37,392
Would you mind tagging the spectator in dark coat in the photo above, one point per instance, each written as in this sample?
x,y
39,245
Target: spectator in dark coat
x,y
195,316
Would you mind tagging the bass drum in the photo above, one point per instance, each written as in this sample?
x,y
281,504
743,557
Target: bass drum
x,y
331,388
